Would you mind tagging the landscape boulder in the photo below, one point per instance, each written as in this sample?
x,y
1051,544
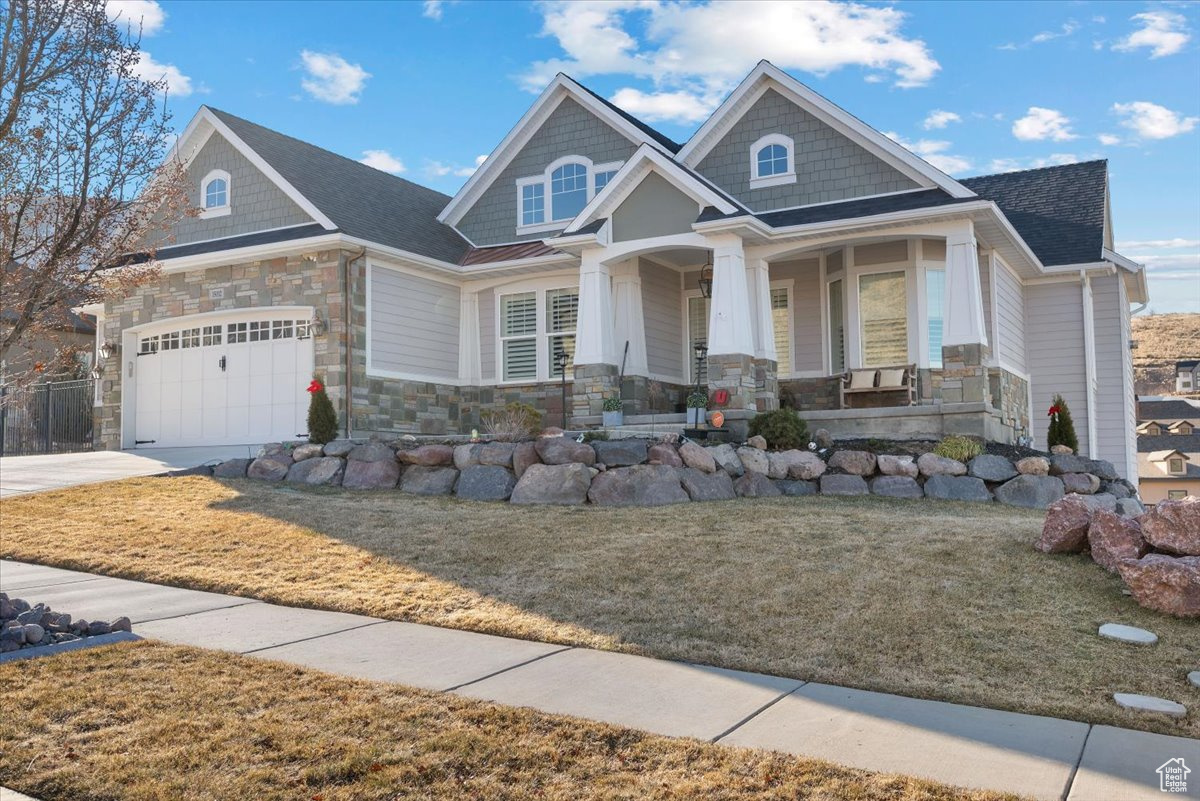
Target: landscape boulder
x,y
1165,583
361,475
562,450
702,459
499,454
1068,463
755,485
803,465
637,485
234,468
754,460
1130,507
524,455
309,450
421,480
323,470
1174,526
757,441
665,453
1099,502
796,488
956,488
485,482
896,487
620,452
372,452
822,438
897,465
702,486
1102,470
1033,466
843,484
1117,489
1080,483
466,455
856,463
269,468
725,457
990,467
930,464
556,484
427,456
1066,527
339,447
1031,492
1113,539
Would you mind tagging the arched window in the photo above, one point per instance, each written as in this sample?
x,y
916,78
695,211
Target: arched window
x,y
215,194
772,161
568,190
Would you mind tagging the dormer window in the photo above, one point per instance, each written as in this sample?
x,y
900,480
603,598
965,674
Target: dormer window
x,y
214,194
1175,465
1184,428
548,201
772,161
1153,430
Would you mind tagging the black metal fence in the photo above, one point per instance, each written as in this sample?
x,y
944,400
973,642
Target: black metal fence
x,y
46,418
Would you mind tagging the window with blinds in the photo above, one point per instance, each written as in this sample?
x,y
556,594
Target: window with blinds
x,y
837,329
935,302
562,313
697,335
781,322
518,334
883,314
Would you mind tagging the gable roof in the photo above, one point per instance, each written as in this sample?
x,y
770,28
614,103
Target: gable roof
x,y
1058,211
361,201
1163,410
1186,443
662,139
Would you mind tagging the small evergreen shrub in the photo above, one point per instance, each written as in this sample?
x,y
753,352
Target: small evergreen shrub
x,y
697,400
595,434
515,422
612,404
783,429
1062,427
322,419
962,449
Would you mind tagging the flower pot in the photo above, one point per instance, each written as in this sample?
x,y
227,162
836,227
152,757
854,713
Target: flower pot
x,y
695,417
613,419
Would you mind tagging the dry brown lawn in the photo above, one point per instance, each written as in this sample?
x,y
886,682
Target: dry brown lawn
x,y
155,722
1163,339
925,599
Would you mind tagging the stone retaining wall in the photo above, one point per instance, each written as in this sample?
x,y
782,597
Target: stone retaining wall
x,y
651,472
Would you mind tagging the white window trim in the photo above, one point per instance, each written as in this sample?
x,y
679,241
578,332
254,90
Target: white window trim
x,y
761,182
1171,468
542,334
551,223
786,371
216,211
689,353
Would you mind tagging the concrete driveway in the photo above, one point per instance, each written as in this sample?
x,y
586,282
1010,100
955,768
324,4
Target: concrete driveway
x,y
24,474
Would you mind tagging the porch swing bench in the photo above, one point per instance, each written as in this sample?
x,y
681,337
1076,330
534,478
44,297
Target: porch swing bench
x,y
899,378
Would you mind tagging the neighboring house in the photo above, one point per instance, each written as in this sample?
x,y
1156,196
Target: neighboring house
x,y
1168,448
1187,377
824,246
62,351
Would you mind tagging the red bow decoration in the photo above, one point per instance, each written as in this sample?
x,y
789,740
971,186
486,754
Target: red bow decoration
x,y
315,386
1053,411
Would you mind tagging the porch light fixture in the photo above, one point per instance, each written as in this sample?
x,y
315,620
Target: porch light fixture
x,y
560,361
96,374
317,326
706,278
108,349
701,355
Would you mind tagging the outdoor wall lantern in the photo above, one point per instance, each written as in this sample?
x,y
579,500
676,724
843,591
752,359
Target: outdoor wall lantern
x,y
108,349
706,278
318,325
560,361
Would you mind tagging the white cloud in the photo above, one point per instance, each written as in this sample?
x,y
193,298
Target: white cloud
x,y
1012,165
933,151
1158,244
144,16
147,69
1043,123
331,78
439,169
1152,121
432,9
1109,139
382,160
655,106
1164,32
1069,27
940,119
704,50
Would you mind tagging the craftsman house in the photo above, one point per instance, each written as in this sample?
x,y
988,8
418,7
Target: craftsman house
x,y
786,253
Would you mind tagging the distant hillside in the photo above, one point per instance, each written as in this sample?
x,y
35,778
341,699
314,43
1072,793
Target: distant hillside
x,y
1162,340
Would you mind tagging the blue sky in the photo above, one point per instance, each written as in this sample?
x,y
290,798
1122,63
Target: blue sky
x,y
425,89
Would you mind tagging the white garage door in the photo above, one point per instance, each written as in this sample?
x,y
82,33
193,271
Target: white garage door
x,y
231,382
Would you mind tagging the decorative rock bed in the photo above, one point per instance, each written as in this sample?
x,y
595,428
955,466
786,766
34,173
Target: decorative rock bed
x,y
1157,554
24,626
652,472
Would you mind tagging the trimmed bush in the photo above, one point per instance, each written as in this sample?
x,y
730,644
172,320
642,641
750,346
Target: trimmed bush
x,y
962,449
612,404
515,422
322,419
1062,427
782,429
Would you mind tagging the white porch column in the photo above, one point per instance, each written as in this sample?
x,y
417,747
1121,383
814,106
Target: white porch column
x,y
470,370
629,325
729,322
758,288
594,331
964,324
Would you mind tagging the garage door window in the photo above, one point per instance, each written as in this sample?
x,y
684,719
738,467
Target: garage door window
x,y
191,338
169,341
233,334
236,333
281,329
212,335
148,345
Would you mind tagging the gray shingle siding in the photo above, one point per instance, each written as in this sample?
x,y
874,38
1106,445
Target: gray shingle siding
x,y
256,203
570,130
828,165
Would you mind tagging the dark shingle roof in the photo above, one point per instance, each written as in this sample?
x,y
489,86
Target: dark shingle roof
x,y
865,207
1188,443
662,139
1167,410
1058,211
361,201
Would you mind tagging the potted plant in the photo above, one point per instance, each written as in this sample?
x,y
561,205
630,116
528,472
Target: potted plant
x,y
697,404
613,415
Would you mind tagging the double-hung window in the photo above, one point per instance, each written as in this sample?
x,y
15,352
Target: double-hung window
x,y
518,336
562,313
535,327
883,318
782,324
533,204
602,179
935,305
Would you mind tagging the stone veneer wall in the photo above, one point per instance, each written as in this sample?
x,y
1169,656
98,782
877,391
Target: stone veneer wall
x,y
734,373
809,394
311,279
1009,396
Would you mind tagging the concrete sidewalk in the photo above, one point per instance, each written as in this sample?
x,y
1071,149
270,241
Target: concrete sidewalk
x,y
1042,757
20,475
